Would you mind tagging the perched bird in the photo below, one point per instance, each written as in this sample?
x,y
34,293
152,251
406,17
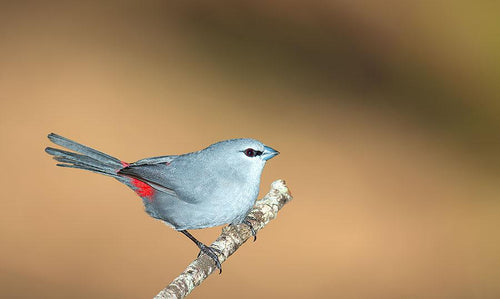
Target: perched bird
x,y
210,187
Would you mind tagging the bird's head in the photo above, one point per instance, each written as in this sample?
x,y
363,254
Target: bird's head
x,y
244,153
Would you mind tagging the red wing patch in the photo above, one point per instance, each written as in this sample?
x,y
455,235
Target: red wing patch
x,y
143,189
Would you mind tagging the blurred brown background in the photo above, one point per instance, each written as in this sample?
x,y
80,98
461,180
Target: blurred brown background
x,y
386,115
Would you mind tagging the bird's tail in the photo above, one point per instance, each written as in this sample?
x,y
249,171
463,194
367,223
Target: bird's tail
x,y
84,158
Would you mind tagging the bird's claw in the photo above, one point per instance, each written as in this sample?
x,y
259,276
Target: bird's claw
x,y
249,224
211,253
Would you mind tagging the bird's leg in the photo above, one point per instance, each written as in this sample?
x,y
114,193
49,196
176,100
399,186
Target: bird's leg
x,y
249,224
210,251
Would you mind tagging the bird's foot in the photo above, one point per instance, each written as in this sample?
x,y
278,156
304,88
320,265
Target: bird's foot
x,y
249,224
211,252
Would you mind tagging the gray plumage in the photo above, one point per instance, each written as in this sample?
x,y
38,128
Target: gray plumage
x,y
210,187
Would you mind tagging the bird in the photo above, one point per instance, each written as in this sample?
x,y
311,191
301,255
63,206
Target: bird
x,y
214,186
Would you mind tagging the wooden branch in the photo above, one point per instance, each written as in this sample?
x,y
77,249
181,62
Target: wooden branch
x,y
231,238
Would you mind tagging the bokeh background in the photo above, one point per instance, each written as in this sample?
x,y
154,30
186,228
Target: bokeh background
x,y
386,115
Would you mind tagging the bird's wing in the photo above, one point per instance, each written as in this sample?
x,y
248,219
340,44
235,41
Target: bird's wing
x,y
157,173
144,174
154,160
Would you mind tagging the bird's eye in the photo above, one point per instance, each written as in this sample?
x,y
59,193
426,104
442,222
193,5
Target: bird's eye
x,y
250,152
